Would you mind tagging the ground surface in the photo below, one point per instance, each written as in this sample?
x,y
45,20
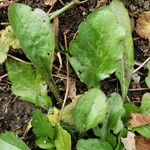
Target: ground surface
x,y
15,114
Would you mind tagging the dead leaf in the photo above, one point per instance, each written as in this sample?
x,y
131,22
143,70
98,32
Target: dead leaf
x,y
50,2
129,141
143,25
5,3
139,120
101,3
142,143
7,40
136,80
72,89
67,113
56,30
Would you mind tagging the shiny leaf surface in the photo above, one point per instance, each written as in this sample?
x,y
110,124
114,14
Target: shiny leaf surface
x,y
90,109
35,34
97,49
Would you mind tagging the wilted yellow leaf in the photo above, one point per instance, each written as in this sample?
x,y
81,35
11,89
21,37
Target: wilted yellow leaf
x,y
53,115
67,113
7,40
143,25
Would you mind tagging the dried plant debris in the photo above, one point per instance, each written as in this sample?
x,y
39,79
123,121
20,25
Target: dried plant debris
x,y
50,2
139,120
129,141
142,143
5,3
143,25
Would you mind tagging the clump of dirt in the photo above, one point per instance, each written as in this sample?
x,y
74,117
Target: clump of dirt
x,y
14,113
136,7
70,20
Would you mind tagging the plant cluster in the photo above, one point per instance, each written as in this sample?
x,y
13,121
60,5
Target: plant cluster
x,y
102,46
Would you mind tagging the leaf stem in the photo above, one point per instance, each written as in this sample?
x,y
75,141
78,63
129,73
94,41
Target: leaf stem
x,y
137,69
68,6
18,59
67,87
54,90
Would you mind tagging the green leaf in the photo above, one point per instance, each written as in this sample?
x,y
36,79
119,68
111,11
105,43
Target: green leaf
x,y
41,126
129,109
67,113
9,141
35,34
45,144
145,109
111,139
105,134
62,138
147,80
117,111
90,109
125,68
120,145
7,40
28,83
102,131
143,130
97,49
53,115
145,104
93,144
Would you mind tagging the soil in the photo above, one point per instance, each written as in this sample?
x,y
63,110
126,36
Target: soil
x,y
15,113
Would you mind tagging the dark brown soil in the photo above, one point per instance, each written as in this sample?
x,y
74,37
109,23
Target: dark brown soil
x,y
15,114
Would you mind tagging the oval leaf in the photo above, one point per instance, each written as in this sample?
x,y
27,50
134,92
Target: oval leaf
x,y
90,109
35,34
97,49
41,126
62,139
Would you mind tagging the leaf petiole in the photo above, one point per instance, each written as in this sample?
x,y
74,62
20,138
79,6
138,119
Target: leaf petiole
x,y
68,6
54,90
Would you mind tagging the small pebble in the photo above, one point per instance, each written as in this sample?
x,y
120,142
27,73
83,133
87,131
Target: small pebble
x,y
146,5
